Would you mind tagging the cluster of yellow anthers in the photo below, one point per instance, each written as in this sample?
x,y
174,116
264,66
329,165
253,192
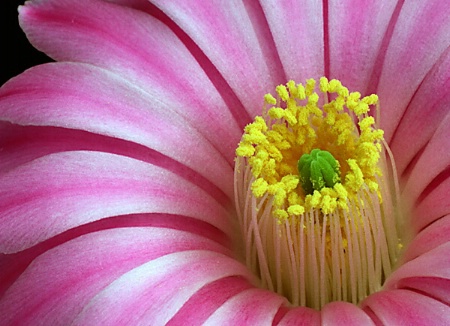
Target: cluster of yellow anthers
x,y
294,125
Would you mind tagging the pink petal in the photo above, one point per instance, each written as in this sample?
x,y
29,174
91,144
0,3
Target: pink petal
x,y
434,206
301,316
265,39
298,32
434,160
425,112
22,144
344,313
226,35
53,95
13,265
403,307
429,238
135,4
61,191
153,292
210,297
434,263
251,307
419,39
356,33
422,284
434,287
59,284
142,51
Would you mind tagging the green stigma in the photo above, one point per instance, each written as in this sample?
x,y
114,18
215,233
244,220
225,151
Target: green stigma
x,y
318,170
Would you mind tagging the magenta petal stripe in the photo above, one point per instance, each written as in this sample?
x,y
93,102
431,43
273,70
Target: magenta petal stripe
x,y
39,201
59,284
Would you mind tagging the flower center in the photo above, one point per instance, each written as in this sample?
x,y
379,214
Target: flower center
x,y
315,196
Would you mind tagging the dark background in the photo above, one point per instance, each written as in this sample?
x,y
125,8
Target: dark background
x,y
17,54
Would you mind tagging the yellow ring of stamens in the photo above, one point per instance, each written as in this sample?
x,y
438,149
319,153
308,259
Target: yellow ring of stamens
x,y
338,243
295,125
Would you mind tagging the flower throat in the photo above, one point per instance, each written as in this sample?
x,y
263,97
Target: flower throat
x,y
314,194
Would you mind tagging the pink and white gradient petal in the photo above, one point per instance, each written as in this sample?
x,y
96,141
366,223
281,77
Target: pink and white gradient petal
x,y
433,263
40,201
356,33
58,284
434,206
144,52
427,276
405,307
432,236
217,28
427,109
301,316
22,144
408,60
433,287
208,299
432,162
344,313
59,94
250,307
297,29
154,292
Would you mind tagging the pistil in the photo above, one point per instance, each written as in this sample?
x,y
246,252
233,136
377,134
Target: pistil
x,y
318,170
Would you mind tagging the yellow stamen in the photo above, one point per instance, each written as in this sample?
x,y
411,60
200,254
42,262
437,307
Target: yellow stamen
x,y
295,125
